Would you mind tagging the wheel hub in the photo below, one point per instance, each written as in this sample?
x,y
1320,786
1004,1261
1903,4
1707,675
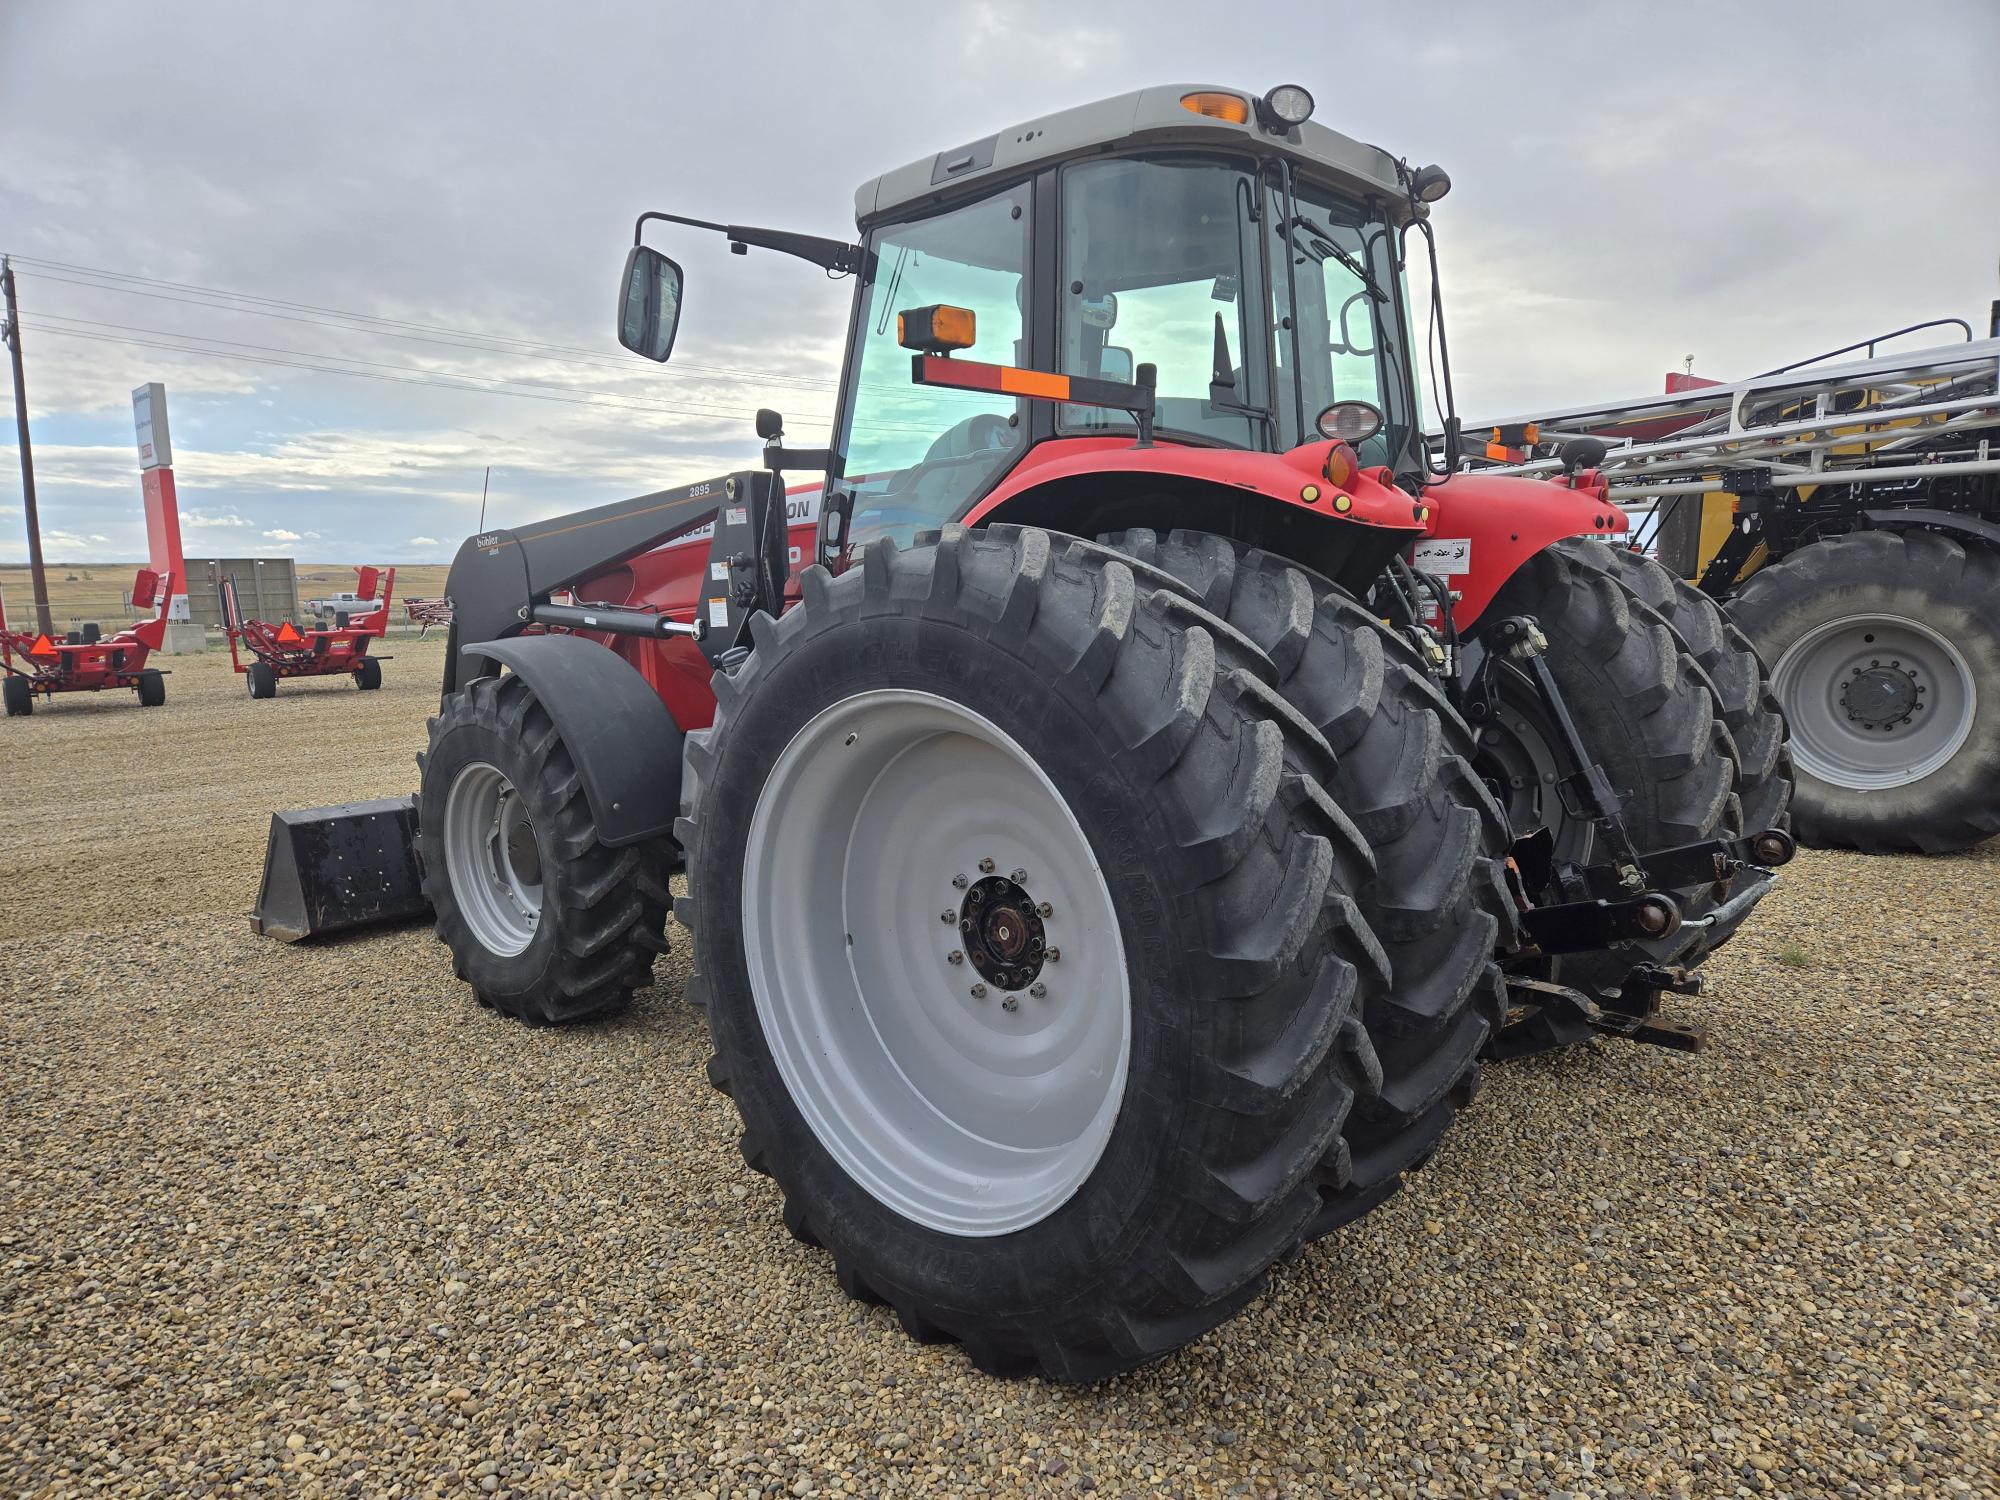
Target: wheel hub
x,y
1003,933
1880,697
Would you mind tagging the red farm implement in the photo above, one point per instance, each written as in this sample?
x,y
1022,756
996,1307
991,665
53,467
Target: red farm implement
x,y
37,665
284,650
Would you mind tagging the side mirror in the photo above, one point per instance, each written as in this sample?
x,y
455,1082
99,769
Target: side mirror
x,y
649,303
1114,362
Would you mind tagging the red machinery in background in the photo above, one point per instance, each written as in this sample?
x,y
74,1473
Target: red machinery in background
x,y
284,650
88,662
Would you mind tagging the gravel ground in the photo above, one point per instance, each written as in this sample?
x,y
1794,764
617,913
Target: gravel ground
x,y
310,1220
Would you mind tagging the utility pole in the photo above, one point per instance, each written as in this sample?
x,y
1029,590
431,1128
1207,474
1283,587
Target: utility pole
x,y
44,622
483,485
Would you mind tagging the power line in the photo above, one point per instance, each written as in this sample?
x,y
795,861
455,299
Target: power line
x,y
203,338
448,385
387,327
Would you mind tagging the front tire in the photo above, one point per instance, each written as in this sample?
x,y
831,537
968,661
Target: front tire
x,y
261,680
1885,653
368,675
19,697
1023,694
545,923
152,688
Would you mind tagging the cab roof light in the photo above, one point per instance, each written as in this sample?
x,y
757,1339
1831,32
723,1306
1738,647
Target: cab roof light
x,y
1218,106
1286,107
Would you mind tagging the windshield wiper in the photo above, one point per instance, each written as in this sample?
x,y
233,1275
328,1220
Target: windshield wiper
x,y
1323,241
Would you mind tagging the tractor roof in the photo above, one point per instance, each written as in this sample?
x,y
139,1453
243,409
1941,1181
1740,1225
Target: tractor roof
x,y
1149,117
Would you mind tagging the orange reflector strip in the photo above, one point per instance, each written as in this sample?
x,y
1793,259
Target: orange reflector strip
x,y
1218,106
1017,382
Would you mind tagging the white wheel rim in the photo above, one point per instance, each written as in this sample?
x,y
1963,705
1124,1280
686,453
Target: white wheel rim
x,y
491,859
1844,685
973,1115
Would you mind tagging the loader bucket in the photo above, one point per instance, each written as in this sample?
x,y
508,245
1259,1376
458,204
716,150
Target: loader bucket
x,y
330,869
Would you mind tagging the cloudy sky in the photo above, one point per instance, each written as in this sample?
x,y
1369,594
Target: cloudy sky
x,y
435,199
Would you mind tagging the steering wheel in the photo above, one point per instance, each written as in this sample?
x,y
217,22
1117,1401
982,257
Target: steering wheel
x,y
977,433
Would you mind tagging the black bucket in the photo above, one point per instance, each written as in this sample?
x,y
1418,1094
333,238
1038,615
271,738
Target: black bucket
x,y
330,869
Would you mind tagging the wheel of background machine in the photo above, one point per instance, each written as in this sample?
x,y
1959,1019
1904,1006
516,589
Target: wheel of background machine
x,y
544,922
1437,898
1885,652
152,688
1069,1163
1641,705
1749,708
92,632
262,680
368,675
18,696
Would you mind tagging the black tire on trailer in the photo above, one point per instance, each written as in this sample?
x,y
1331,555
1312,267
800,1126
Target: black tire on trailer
x,y
340,619
1742,686
92,632
1013,692
152,688
1885,654
368,675
73,638
18,695
1641,705
545,923
261,680
1437,899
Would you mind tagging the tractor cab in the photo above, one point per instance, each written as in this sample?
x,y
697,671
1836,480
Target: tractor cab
x,y
1246,257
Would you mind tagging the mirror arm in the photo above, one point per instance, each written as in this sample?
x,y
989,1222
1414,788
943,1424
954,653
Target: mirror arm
x,y
833,255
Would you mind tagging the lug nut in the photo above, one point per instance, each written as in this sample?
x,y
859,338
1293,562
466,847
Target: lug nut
x,y
1038,989
1046,910
1054,955
986,867
1010,1003
956,956
979,992
947,916
960,881
1019,877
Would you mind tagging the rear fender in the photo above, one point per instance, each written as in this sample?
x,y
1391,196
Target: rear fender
x,y
626,745
1282,502
1483,527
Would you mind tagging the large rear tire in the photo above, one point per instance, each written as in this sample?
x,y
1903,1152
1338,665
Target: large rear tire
x,y
1742,686
1095,1176
1437,898
545,923
1885,654
1642,707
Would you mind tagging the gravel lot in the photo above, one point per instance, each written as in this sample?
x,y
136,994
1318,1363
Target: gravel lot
x,y
310,1220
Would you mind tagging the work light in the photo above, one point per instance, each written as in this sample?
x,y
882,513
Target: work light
x,y
1288,104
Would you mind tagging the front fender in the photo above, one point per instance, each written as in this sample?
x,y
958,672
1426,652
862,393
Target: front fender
x,y
1483,527
626,745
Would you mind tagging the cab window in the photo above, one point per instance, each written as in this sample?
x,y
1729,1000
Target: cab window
x,y
916,456
1160,267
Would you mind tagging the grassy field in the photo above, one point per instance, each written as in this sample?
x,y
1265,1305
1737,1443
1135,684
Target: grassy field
x,y
97,591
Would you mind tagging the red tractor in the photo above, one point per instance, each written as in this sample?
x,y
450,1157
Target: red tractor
x,y
1125,800
283,650
87,661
